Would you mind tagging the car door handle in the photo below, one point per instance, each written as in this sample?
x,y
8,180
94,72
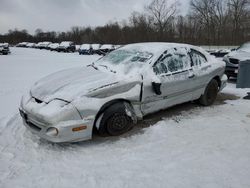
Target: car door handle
x,y
191,76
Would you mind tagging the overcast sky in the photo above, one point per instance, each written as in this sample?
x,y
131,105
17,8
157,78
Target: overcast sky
x,y
61,15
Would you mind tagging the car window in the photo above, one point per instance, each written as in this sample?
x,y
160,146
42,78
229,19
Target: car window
x,y
174,61
197,58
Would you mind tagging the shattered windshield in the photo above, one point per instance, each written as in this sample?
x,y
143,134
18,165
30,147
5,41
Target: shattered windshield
x,y
125,56
124,59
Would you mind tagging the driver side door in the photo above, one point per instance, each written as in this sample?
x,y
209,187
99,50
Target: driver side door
x,y
175,75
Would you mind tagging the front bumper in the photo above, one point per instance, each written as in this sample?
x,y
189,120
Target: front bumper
x,y
223,82
68,131
4,51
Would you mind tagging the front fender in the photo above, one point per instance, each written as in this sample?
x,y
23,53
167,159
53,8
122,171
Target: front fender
x,y
90,106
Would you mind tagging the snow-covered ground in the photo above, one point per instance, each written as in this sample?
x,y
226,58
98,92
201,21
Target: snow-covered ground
x,y
191,146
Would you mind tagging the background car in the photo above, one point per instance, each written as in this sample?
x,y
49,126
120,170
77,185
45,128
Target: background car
x,y
44,45
232,59
30,45
66,46
84,49
22,44
53,46
4,48
94,48
105,48
113,93
219,53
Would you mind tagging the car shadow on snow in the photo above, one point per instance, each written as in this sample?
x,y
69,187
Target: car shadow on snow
x,y
175,113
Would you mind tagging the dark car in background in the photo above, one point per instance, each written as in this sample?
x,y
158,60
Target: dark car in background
x,y
66,46
4,48
106,48
85,49
233,59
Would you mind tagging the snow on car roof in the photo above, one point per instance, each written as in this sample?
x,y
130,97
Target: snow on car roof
x,y
45,42
159,47
54,45
65,43
85,46
4,44
95,46
106,46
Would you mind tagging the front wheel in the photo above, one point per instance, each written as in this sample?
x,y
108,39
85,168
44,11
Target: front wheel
x,y
210,93
115,121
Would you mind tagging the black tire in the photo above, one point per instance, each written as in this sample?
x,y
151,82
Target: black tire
x,y
210,94
115,121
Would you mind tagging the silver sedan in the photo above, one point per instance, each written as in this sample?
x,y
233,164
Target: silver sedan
x,y
113,93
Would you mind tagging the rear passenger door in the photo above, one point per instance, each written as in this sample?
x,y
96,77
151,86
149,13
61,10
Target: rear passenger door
x,y
175,74
202,71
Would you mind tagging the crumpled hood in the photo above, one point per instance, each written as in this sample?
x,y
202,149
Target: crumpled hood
x,y
70,84
240,55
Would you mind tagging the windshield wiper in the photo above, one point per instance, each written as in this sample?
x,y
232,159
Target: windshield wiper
x,y
92,65
107,68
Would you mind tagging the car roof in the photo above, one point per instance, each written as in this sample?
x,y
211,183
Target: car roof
x,y
155,47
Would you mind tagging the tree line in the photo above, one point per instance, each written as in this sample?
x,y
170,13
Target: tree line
x,y
208,22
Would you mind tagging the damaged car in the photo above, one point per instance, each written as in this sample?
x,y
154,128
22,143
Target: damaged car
x,y
112,94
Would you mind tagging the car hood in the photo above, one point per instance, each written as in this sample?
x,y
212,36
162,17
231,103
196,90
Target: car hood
x,y
240,55
72,83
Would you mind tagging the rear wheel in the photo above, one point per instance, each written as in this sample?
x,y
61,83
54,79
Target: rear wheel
x,y
115,121
210,94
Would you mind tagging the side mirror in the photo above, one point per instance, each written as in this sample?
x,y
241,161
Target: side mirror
x,y
156,88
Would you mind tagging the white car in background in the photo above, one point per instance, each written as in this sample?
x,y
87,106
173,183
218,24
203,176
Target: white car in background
x,y
66,46
113,93
233,59
53,46
30,45
44,45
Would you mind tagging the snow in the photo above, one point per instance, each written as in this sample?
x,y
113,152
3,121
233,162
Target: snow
x,y
106,46
53,45
187,146
65,43
85,47
95,46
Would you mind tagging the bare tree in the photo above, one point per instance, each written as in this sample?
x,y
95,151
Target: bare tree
x,y
240,11
162,12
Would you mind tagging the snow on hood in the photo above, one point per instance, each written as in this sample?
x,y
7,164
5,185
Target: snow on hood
x,y
72,83
240,55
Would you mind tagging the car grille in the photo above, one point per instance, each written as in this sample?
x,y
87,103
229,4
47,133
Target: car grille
x,y
234,61
34,124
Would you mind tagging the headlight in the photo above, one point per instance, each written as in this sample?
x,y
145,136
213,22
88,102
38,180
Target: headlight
x,y
52,131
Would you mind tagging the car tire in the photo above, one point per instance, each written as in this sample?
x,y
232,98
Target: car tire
x,y
115,121
210,93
